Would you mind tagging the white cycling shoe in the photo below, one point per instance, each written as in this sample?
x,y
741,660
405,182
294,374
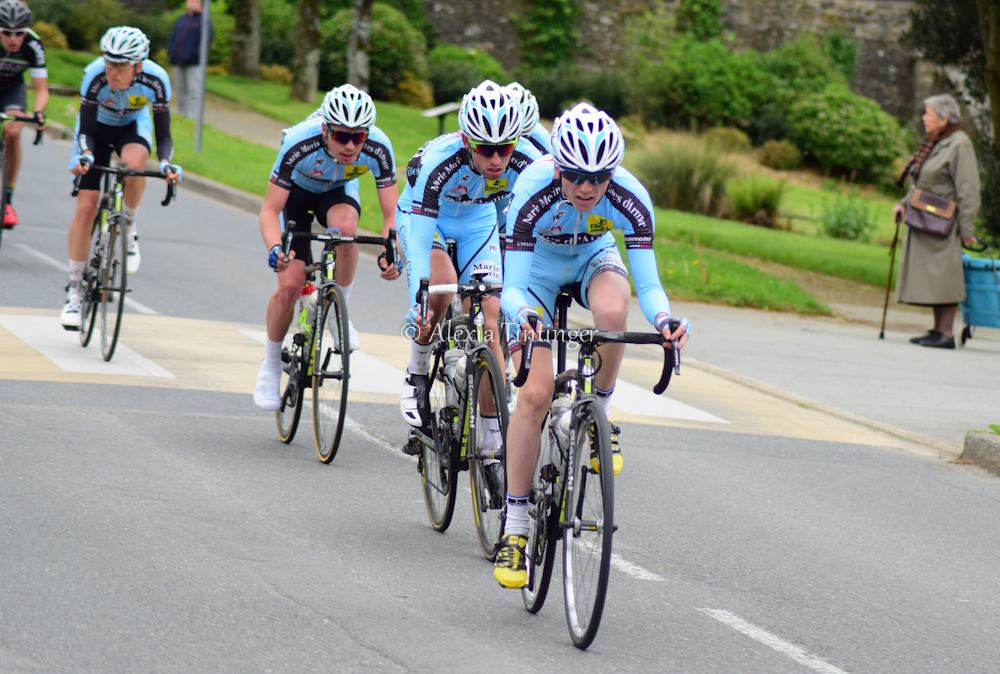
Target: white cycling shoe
x,y
414,389
266,394
70,314
352,337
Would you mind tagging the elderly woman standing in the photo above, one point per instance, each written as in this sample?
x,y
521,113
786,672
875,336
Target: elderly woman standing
x,y
931,273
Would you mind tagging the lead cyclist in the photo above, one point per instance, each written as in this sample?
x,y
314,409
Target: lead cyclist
x,y
563,210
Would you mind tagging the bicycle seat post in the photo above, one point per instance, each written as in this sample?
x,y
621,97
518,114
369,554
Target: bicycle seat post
x,y
563,300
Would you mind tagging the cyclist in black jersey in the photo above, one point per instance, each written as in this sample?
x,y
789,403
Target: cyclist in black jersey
x,y
21,50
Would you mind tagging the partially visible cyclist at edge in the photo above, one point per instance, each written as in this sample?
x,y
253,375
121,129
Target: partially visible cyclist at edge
x,y
562,214
317,172
22,50
454,187
117,89
531,128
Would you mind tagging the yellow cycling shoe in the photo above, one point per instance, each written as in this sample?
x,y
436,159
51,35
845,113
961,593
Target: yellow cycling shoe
x,y
509,569
617,462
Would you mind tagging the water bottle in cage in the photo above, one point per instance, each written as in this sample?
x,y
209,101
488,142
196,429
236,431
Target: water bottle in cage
x,y
307,306
560,413
453,360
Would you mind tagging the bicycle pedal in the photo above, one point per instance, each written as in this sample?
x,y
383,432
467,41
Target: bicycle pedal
x,y
412,446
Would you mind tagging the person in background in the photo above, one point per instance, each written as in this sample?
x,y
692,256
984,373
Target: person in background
x,y
183,50
930,273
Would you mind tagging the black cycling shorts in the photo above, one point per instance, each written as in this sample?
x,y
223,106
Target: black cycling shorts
x,y
106,139
14,97
302,205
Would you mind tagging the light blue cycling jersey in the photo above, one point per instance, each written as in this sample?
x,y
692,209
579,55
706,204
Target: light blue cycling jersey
x,y
304,161
539,137
546,225
120,108
441,183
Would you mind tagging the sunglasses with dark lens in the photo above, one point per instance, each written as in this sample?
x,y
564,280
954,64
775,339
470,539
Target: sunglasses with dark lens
x,y
490,149
579,177
13,33
345,137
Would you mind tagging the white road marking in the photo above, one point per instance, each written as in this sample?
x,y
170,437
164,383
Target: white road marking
x,y
634,570
761,635
137,307
632,399
46,335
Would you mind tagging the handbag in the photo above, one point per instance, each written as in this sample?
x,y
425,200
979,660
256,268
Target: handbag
x,y
930,213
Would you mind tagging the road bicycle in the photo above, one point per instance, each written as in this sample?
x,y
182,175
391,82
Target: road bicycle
x,y
314,354
4,117
465,384
570,500
105,278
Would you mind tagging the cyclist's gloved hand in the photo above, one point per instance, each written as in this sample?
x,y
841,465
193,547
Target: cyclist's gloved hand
x,y
273,256
166,168
40,118
525,313
86,159
680,334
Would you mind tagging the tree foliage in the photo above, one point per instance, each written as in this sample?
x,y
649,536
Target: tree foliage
x,y
702,19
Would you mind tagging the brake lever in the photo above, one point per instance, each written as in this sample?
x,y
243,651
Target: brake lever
x,y
529,347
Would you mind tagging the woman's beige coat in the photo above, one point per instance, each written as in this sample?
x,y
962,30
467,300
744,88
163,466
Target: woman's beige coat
x,y
931,268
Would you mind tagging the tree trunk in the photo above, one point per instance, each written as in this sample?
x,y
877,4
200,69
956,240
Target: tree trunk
x,y
359,44
305,66
245,58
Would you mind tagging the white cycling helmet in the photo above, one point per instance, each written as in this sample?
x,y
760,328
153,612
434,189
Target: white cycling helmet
x,y
14,15
529,106
348,106
586,139
125,44
489,114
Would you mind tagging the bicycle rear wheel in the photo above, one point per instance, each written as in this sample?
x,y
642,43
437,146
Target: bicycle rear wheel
x,y
292,392
487,500
540,553
88,289
331,372
438,476
588,528
3,192
112,286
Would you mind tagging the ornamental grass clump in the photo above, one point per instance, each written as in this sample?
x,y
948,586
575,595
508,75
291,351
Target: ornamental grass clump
x,y
684,174
755,199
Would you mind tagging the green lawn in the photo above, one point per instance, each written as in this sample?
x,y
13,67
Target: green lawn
x,y
810,202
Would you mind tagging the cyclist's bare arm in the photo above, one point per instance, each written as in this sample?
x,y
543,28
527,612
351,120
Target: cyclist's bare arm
x,y
387,198
270,214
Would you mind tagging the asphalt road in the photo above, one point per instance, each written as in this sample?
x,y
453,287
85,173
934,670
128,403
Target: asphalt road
x,y
152,522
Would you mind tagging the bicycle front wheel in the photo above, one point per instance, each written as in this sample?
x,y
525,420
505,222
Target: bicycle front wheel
x,y
438,476
88,289
331,371
292,393
112,285
489,402
540,553
588,522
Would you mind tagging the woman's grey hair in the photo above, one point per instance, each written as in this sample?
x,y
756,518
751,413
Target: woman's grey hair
x,y
944,105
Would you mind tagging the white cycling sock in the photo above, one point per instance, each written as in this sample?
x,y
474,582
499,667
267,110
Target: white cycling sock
x,y
420,360
129,213
272,353
604,399
517,515
346,292
76,268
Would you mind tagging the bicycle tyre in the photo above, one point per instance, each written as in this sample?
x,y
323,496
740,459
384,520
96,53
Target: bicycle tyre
x,y
113,284
441,490
331,373
588,529
3,183
540,553
487,508
88,289
286,417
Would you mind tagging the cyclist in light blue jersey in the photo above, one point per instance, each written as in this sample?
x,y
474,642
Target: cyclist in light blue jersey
x,y
562,214
531,128
454,185
117,90
316,173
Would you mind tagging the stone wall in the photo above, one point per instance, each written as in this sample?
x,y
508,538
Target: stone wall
x,y
885,71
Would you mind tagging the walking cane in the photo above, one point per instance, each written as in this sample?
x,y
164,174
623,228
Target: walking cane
x,y
888,283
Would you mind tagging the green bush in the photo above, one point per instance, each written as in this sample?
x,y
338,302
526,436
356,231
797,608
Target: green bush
x,y
989,170
560,87
702,19
727,139
455,70
397,48
683,174
275,72
755,199
546,32
698,84
847,218
842,51
278,19
50,35
799,68
781,155
845,132
413,92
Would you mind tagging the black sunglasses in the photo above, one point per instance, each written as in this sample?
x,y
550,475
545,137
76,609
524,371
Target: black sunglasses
x,y
345,137
580,177
13,33
490,149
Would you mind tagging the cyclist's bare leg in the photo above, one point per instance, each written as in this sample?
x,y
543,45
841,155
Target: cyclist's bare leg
x,y
12,147
523,437
281,306
608,297
135,155
442,271
80,226
345,219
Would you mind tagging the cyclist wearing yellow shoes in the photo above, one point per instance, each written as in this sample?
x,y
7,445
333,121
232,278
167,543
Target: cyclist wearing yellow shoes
x,y
562,212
